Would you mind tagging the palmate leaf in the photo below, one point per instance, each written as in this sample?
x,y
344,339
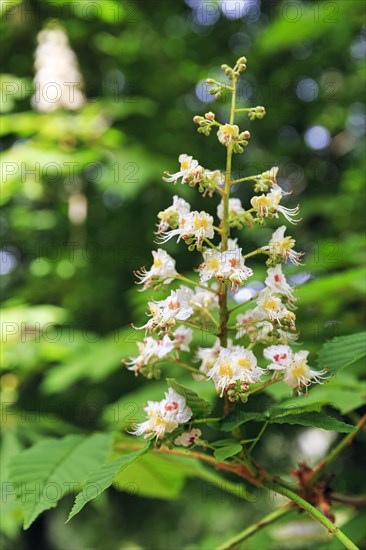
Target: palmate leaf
x,y
199,407
44,473
100,479
342,352
315,420
156,475
302,416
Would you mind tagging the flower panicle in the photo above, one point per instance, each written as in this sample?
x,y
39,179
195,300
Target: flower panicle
x,y
179,320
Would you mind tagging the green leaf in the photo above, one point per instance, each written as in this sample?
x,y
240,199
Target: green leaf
x,y
342,392
226,452
316,420
153,476
99,480
44,473
223,442
289,413
342,352
199,407
238,418
301,18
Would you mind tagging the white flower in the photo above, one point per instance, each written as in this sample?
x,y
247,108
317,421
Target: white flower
x,y
205,298
232,365
232,244
276,282
235,209
164,416
194,224
228,265
171,215
201,226
182,338
234,263
215,177
280,357
163,270
208,356
297,373
277,193
261,331
188,438
228,133
281,247
58,81
150,351
165,313
211,266
269,176
248,324
269,306
188,167
270,203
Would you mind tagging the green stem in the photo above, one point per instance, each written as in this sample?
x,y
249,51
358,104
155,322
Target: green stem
x,y
336,451
224,315
187,367
209,314
261,432
247,178
206,420
194,283
249,531
243,303
257,251
211,245
313,512
196,327
263,385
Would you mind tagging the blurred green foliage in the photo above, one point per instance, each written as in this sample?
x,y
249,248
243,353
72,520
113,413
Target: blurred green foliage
x,y
67,286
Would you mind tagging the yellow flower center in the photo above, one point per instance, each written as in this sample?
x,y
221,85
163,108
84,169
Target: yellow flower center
x,y
299,370
199,223
245,363
225,369
212,264
185,165
270,304
262,201
231,130
158,262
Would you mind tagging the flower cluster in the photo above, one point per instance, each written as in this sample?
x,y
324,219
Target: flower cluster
x,y
234,367
164,416
193,174
202,304
152,351
58,80
294,366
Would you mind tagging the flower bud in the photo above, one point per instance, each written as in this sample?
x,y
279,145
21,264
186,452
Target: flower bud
x,y
242,67
210,81
210,115
241,60
246,134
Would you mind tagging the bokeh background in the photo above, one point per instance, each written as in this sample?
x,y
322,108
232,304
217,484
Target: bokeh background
x,y
81,189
